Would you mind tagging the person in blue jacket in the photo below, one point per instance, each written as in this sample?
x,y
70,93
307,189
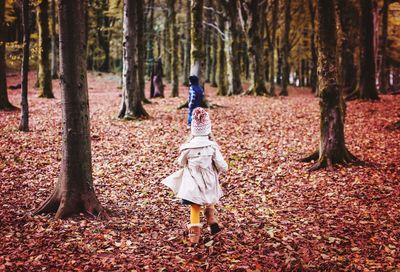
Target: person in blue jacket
x,y
196,94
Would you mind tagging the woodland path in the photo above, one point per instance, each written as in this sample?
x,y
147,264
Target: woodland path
x,y
276,214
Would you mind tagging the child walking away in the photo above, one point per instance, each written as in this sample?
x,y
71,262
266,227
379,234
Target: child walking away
x,y
197,183
196,94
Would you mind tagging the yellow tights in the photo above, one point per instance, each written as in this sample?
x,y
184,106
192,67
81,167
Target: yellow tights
x,y
195,214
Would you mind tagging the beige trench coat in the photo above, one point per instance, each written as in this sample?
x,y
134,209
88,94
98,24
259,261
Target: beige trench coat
x,y
198,182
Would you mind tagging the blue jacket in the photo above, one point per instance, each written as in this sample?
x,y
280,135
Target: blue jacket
x,y
196,95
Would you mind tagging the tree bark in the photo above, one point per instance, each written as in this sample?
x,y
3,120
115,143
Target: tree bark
x,y
214,56
314,57
383,71
186,65
44,44
54,38
347,69
332,149
131,104
232,48
271,53
367,87
141,48
150,40
196,35
253,24
173,35
286,49
221,58
4,102
24,124
74,192
207,41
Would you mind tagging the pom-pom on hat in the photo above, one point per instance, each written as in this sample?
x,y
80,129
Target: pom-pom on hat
x,y
201,123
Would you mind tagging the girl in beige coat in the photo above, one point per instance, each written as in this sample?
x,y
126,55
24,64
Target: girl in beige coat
x,y
197,183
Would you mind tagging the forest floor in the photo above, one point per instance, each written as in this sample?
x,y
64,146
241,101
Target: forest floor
x,y
276,215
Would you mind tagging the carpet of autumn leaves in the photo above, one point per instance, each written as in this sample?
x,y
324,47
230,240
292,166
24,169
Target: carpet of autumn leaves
x,y
277,216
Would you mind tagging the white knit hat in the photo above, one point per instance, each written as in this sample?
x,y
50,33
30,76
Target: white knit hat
x,y
201,123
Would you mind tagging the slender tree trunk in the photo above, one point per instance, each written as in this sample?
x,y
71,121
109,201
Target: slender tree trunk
x,y
4,102
166,49
150,40
196,35
131,104
232,49
140,53
186,65
286,49
207,41
383,71
271,55
102,35
332,149
213,75
221,58
74,192
24,124
54,60
314,57
367,87
44,44
173,35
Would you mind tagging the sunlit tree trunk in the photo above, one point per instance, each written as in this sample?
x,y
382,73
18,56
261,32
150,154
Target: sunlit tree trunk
x,y
131,104
286,48
74,192
24,123
44,46
4,102
332,149
196,35
173,35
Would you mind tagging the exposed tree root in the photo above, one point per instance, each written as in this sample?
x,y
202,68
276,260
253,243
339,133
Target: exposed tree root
x,y
326,161
67,204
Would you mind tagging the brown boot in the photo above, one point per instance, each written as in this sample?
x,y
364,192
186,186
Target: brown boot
x,y
212,220
194,233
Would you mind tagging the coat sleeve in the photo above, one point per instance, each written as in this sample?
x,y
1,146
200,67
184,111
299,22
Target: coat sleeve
x,y
183,158
219,161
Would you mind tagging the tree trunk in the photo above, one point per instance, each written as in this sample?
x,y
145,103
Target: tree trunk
x,y
213,75
131,104
166,50
4,102
367,87
150,40
186,65
255,42
207,40
196,34
347,70
44,45
140,53
232,49
271,54
54,60
383,71
314,57
286,49
24,124
221,58
173,35
332,149
103,22
74,192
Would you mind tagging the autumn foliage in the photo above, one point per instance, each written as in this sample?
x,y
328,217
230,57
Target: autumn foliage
x,y
276,215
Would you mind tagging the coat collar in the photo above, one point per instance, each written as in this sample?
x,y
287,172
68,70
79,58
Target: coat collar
x,y
198,141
